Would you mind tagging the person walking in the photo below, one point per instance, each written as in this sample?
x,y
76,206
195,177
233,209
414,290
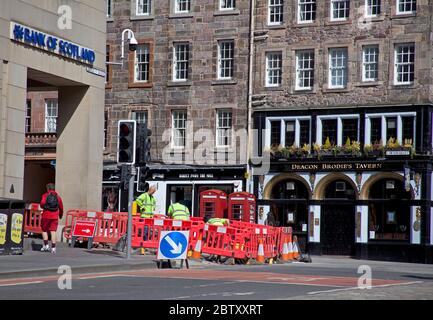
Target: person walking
x,y
52,206
178,211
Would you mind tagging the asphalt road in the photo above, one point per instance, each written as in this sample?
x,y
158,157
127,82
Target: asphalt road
x,y
323,279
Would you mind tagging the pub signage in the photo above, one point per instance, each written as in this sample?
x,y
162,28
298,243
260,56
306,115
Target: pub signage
x,y
336,166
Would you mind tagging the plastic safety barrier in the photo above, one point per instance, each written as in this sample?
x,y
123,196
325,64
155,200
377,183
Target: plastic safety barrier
x,y
145,232
110,226
32,219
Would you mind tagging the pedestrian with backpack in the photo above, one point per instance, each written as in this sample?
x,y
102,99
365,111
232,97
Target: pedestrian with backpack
x,y
52,206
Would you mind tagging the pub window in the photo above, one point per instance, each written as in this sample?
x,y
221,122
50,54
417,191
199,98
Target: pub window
x,y
275,12
304,132
180,61
391,128
340,10
400,127
376,130
350,130
329,130
275,133
290,133
408,129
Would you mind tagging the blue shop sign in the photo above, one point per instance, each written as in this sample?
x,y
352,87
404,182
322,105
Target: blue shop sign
x,y
51,43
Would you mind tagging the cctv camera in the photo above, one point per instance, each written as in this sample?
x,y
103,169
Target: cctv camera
x,y
133,44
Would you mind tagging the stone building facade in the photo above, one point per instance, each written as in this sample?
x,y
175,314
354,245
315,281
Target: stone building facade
x,y
343,101
203,26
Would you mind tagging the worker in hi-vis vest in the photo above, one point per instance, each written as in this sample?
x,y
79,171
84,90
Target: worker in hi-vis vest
x,y
147,203
178,211
218,221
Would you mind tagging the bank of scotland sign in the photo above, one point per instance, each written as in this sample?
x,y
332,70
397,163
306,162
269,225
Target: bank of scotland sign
x,y
52,44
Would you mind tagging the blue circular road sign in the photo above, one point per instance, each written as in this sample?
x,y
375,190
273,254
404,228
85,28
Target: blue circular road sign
x,y
174,245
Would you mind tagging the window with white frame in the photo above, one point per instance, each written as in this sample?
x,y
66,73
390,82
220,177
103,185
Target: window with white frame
x,y
179,121
142,63
182,6
225,59
338,67
139,116
274,69
406,6
338,129
51,113
304,69
275,12
109,8
227,4
306,11
180,61
143,7
380,128
288,131
373,8
404,68
370,63
340,10
224,128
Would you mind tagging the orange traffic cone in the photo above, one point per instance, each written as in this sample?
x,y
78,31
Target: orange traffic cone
x,y
261,253
197,250
296,253
287,255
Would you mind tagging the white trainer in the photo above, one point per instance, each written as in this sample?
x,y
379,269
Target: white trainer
x,y
53,250
45,248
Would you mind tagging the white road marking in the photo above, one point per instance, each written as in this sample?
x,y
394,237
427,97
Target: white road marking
x,y
373,287
98,277
20,284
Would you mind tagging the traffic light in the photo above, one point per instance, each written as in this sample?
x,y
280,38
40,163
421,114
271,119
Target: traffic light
x,y
126,142
144,145
143,176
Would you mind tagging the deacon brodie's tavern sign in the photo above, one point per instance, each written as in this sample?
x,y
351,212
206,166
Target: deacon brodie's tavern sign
x,y
335,166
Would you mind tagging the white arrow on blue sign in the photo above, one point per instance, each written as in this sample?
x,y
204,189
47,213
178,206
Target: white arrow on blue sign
x,y
173,245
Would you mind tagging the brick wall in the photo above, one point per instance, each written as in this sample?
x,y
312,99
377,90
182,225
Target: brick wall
x,y
202,94
385,31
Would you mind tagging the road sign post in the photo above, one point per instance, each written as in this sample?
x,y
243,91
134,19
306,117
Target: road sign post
x,y
173,245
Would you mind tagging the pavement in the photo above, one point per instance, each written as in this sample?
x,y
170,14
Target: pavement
x,y
36,263
104,274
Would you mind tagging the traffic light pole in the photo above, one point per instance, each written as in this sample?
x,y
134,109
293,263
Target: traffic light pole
x,y
130,200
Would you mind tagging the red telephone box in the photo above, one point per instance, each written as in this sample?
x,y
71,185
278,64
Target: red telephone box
x,y
242,207
213,204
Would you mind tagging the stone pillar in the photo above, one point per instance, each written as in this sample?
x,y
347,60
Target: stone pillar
x,y
314,228
80,147
361,222
415,225
13,86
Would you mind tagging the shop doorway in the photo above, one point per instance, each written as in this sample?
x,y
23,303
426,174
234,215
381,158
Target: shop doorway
x,y
338,219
